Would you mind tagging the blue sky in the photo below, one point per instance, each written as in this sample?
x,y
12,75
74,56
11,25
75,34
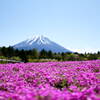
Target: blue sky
x,y
74,24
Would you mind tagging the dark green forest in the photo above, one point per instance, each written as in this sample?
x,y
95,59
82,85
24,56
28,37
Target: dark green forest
x,y
43,56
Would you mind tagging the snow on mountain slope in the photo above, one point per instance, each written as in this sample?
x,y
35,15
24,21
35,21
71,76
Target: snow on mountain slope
x,y
39,43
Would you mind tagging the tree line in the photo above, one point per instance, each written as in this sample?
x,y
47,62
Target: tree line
x,y
35,55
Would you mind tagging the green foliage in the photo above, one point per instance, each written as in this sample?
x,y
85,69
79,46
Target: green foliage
x,y
98,58
23,56
42,60
3,57
35,54
15,58
44,56
92,57
61,84
3,62
50,54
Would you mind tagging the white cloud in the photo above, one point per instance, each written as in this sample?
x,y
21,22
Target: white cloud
x,y
87,50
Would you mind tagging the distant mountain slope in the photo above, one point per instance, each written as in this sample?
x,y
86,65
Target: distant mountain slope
x,y
39,43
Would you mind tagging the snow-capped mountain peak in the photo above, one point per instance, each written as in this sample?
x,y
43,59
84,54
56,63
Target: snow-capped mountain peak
x,y
40,39
40,42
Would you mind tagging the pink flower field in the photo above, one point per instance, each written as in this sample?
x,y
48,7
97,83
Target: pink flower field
x,y
77,80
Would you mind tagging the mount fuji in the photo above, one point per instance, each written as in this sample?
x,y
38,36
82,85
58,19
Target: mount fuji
x,y
40,42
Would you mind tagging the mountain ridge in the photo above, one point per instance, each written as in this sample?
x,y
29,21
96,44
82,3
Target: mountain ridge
x,y
40,42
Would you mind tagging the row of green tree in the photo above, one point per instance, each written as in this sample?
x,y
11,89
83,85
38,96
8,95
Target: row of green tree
x,y
30,55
